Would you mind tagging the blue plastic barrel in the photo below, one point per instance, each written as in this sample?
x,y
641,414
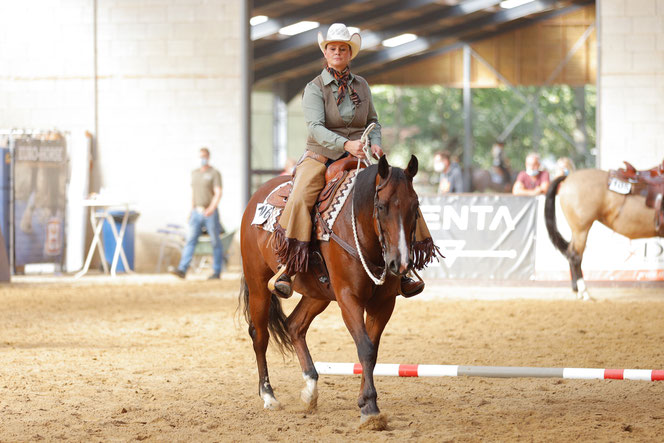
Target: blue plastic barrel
x,y
127,241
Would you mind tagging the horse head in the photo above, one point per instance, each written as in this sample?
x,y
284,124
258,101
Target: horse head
x,y
395,214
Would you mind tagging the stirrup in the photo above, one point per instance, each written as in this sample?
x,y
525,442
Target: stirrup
x,y
416,286
280,283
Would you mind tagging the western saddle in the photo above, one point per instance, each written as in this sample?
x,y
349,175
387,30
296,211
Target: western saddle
x,y
648,183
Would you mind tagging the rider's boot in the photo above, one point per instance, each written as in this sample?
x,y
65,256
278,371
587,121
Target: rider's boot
x,y
280,284
410,287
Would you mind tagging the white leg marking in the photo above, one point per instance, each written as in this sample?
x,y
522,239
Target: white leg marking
x,y
269,402
583,291
309,394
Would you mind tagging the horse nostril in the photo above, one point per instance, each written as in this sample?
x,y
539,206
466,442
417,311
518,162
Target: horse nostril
x,y
394,267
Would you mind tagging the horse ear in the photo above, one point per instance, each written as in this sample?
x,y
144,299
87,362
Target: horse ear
x,y
411,170
383,167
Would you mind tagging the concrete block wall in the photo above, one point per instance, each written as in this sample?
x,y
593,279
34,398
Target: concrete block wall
x,y
631,93
168,82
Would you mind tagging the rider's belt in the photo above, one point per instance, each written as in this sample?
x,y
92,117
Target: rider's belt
x,y
199,209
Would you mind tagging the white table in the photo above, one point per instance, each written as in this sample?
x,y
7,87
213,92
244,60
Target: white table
x,y
100,211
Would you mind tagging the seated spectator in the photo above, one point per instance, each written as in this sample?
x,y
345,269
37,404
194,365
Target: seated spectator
x,y
450,178
564,166
532,181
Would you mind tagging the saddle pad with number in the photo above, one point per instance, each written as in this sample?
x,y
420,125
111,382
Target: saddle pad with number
x,y
268,212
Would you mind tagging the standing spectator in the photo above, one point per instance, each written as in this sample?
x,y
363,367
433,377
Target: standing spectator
x,y
206,192
450,179
532,181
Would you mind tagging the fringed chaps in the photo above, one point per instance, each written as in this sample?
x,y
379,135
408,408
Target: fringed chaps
x,y
424,251
290,252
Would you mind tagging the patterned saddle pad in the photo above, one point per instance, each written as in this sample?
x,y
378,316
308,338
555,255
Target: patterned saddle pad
x,y
333,197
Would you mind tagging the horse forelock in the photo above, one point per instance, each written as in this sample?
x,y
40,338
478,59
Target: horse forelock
x,y
365,184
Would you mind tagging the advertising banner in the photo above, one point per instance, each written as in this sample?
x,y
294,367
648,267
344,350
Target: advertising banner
x,y
485,237
40,181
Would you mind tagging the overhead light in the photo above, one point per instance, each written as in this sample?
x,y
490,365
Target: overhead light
x,y
257,20
298,27
509,4
399,40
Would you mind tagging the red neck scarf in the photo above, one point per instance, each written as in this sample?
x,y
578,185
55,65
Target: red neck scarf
x,y
342,78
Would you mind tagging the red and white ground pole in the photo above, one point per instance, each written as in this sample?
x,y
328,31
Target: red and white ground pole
x,y
398,370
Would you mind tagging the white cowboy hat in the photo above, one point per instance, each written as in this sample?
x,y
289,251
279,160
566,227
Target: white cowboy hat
x,y
338,32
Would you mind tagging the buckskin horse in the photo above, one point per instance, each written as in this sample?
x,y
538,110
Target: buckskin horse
x,y
380,218
585,197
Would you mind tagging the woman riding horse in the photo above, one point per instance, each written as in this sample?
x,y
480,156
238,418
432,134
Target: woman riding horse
x,y
337,108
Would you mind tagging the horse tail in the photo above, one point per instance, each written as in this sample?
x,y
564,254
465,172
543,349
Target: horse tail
x,y
550,216
276,322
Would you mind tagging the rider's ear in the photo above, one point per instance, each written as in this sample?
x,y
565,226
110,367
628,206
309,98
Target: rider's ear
x,y
411,170
383,167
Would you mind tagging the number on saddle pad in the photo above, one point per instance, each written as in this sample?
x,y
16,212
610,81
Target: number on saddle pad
x,y
263,212
619,186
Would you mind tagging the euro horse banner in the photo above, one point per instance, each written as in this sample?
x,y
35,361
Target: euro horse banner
x,y
40,185
483,236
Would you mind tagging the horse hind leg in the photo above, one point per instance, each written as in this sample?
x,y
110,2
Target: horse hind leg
x,y
258,307
298,325
575,257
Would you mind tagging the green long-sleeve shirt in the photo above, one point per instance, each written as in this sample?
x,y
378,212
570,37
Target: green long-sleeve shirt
x,y
314,113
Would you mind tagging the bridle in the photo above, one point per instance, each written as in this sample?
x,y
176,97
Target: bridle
x,y
378,281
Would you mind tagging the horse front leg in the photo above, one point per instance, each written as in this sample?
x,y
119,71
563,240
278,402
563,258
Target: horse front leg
x,y
353,315
298,325
379,312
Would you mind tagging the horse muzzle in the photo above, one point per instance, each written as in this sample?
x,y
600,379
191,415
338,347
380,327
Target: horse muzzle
x,y
399,267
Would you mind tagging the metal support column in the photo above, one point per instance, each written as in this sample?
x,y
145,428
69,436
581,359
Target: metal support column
x,y
279,125
467,120
246,80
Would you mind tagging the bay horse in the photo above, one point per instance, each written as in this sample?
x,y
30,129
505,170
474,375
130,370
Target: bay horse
x,y
584,198
384,206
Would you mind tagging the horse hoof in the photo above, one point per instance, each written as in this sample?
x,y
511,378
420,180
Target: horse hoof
x,y
310,401
376,422
587,297
271,403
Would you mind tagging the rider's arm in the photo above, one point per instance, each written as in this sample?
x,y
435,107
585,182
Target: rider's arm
x,y
314,114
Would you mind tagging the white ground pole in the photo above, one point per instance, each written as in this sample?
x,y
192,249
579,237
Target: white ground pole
x,y
404,370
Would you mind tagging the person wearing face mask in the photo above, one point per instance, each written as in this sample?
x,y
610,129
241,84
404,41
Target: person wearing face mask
x,y
206,193
532,181
450,178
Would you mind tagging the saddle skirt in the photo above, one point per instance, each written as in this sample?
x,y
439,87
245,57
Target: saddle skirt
x,y
330,202
648,183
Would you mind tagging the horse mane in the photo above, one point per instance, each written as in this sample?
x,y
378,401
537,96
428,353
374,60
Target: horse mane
x,y
365,185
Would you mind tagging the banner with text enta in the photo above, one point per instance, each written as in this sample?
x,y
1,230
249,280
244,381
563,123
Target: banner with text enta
x,y
488,237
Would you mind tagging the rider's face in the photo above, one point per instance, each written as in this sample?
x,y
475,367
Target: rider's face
x,y
337,55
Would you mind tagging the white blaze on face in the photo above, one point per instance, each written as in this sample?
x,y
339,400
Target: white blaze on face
x,y
403,246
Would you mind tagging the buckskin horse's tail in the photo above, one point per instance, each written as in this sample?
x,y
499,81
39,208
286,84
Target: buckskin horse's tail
x,y
550,217
276,323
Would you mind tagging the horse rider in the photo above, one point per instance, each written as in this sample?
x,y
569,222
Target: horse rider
x,y
337,108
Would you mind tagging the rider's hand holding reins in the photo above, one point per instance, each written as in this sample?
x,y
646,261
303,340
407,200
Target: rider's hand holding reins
x,y
354,147
377,151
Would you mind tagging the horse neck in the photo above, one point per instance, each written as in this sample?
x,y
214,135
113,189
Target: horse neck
x,y
364,222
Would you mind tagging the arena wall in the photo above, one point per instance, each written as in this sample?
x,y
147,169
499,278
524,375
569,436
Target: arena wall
x,y
168,82
631,92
